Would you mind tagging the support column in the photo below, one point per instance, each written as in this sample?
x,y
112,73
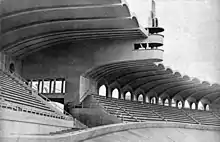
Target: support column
x,y
50,86
38,85
54,86
62,86
122,95
134,97
108,91
170,102
42,87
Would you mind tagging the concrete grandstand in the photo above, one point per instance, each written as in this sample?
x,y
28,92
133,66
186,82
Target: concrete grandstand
x,y
95,58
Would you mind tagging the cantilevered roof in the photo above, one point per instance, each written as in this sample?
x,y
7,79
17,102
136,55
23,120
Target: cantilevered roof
x,y
149,77
30,25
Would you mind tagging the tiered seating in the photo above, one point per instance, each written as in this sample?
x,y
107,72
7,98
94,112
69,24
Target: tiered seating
x,y
204,117
142,112
172,114
217,113
137,111
15,93
114,109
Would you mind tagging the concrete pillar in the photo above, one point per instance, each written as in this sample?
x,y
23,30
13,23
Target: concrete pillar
x,y
134,97
50,85
54,86
122,95
170,102
108,92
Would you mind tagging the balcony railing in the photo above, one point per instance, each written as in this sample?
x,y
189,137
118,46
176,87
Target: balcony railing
x,y
155,40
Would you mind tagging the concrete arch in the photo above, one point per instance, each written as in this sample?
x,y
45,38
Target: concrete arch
x,y
129,78
169,85
213,96
196,80
167,102
201,106
161,66
115,71
178,89
126,6
187,104
205,101
127,89
138,92
169,70
146,78
103,82
178,98
158,83
150,80
134,18
186,77
202,93
140,98
215,85
206,83
177,74
127,73
152,94
192,100
164,96
115,93
115,85
188,92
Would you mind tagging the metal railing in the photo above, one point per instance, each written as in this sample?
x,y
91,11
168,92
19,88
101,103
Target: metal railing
x,y
23,108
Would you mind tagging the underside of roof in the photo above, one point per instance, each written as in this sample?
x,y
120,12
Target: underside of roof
x,y
32,25
144,76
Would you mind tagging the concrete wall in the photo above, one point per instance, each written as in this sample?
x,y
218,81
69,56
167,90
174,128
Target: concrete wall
x,y
6,60
12,122
124,132
71,60
92,114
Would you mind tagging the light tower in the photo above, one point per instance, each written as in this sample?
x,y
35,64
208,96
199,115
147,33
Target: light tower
x,y
155,40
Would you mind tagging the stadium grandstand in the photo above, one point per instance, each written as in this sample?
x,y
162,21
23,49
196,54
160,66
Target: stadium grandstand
x,y
87,70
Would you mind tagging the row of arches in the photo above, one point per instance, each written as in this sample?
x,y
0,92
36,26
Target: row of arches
x,y
153,100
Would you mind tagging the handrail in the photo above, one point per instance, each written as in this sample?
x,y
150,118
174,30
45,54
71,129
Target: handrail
x,y
19,78
84,95
22,108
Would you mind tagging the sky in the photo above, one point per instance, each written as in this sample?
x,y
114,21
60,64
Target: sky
x,y
192,34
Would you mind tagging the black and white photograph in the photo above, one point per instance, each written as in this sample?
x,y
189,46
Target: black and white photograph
x,y
109,70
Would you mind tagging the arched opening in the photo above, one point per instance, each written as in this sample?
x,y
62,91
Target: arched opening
x,y
103,90
147,99
180,104
153,100
193,106
200,106
207,107
160,101
140,98
12,68
166,102
115,93
58,106
186,104
173,103
128,96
